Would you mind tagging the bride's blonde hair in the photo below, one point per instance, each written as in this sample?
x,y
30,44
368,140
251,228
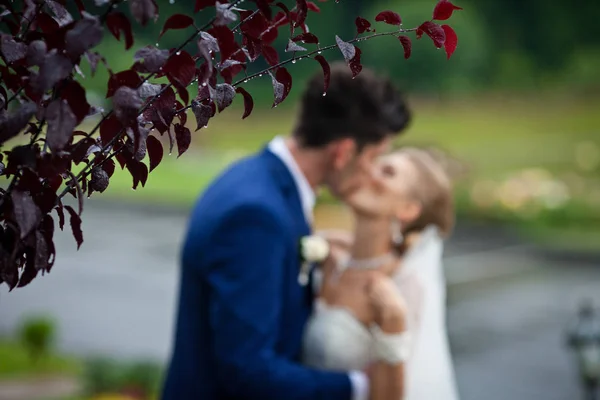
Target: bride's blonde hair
x,y
433,189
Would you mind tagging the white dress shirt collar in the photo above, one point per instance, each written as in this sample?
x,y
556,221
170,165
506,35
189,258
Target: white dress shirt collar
x,y
278,147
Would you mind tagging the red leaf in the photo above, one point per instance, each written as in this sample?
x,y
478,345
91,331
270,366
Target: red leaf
x,y
109,167
226,41
126,103
61,123
282,85
362,25
355,65
12,124
265,8
451,40
443,10
161,111
61,216
389,17
143,10
313,7
225,14
248,101
74,94
128,78
271,55
224,94
406,44
75,226
183,137
434,31
99,181
253,46
286,18
180,67
155,151
202,112
27,214
117,22
326,72
11,49
153,59
85,34
301,12
110,128
138,171
176,21
306,38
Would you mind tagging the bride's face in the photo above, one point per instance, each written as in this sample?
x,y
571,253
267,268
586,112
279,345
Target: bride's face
x,y
391,191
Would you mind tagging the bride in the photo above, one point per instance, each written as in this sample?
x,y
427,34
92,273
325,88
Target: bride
x,y
381,306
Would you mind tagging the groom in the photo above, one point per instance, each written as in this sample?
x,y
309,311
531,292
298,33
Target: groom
x,y
242,309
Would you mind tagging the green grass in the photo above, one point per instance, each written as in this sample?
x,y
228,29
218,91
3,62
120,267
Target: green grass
x,y
16,363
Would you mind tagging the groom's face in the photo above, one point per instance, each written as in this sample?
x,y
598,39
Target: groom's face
x,y
350,169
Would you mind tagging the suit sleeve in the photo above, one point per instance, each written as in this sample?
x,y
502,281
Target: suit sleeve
x,y
245,281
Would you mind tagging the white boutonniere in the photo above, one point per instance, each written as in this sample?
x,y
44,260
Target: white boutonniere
x,y
313,249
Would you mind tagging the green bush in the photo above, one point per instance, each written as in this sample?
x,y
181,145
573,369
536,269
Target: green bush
x,y
38,335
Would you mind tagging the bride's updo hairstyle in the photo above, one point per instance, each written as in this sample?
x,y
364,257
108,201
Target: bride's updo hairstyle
x,y
433,189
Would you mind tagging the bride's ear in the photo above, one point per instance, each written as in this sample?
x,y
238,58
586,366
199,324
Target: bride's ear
x,y
408,212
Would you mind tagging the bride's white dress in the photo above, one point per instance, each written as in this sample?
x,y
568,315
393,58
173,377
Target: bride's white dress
x,y
335,340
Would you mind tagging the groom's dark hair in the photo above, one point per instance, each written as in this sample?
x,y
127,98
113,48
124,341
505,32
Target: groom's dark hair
x,y
367,108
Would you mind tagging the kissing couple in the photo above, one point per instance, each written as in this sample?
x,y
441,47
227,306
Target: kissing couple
x,y
269,310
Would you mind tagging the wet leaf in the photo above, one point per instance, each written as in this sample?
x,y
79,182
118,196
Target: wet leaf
x,y
139,172
109,129
61,15
202,4
117,22
443,10
155,151
434,31
313,7
54,68
348,49
406,44
126,103
11,124
301,12
282,85
270,55
306,38
150,59
248,101
11,49
180,67
389,17
183,137
85,34
36,52
326,72
143,11
362,25
451,40
61,216
224,94
162,110
93,59
176,21
355,63
74,94
226,40
27,214
292,47
75,221
225,14
61,123
128,78
148,90
99,181
202,112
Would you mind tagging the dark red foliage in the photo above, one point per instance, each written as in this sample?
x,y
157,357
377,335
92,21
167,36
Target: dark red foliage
x,y
434,31
389,17
443,10
43,99
117,22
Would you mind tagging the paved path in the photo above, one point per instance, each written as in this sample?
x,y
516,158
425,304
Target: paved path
x,y
117,296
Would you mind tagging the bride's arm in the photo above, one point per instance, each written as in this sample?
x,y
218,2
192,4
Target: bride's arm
x,y
387,374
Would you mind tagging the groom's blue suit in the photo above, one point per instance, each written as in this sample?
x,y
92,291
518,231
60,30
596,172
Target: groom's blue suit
x,y
241,309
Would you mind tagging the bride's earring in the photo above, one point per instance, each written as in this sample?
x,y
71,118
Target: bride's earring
x,y
397,236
